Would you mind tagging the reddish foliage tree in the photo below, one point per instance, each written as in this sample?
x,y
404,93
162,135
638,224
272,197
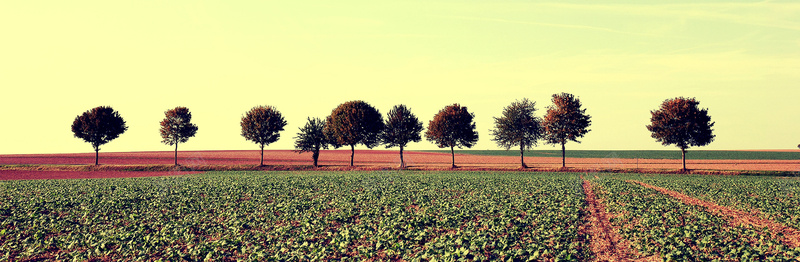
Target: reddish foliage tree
x,y
518,127
452,127
565,121
312,138
98,126
680,122
352,123
262,125
177,128
401,128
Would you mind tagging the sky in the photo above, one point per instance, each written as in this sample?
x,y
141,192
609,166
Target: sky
x,y
622,59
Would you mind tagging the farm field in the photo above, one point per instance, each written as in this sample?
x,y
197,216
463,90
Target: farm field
x,y
791,154
379,159
397,215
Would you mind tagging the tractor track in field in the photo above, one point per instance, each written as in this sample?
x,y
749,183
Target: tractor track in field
x,y
605,243
791,236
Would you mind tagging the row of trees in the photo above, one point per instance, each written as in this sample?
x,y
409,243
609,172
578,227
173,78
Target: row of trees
x,y
678,121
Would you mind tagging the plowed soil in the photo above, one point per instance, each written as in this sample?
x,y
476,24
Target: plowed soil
x,y
606,244
791,236
390,158
29,175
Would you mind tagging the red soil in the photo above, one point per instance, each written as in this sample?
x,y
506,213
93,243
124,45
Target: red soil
x,y
28,175
387,158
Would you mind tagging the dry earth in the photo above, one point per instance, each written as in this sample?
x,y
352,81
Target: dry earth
x,y
390,159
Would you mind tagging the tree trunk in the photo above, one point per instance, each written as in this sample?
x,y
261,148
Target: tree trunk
x,y
315,156
176,153
402,163
262,154
563,156
352,153
522,156
452,153
683,157
96,155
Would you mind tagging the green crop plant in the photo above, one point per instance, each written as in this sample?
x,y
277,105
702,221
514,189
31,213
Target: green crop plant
x,y
296,216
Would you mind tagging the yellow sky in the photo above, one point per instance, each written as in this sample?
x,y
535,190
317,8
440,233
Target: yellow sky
x,y
740,59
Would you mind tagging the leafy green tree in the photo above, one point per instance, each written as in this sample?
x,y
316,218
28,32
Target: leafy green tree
x,y
401,127
98,126
311,138
518,126
352,123
680,122
177,128
262,125
452,127
565,121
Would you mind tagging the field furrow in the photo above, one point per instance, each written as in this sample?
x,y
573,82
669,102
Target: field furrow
x,y
661,225
790,236
606,244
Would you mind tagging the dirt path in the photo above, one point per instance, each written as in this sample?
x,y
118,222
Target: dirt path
x,y
606,244
791,236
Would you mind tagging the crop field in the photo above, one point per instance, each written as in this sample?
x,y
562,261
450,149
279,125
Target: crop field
x,y
252,216
402,215
658,225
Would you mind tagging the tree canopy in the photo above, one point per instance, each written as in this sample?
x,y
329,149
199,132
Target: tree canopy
x,y
311,138
402,127
352,123
518,126
177,127
680,122
262,125
452,127
565,121
98,126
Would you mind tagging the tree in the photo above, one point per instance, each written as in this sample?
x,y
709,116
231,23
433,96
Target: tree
x,y
401,128
261,125
311,138
452,127
680,122
98,126
177,128
352,123
518,127
565,121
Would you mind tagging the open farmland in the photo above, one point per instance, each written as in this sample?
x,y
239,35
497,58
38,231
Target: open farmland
x,y
790,154
381,159
392,215
294,216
